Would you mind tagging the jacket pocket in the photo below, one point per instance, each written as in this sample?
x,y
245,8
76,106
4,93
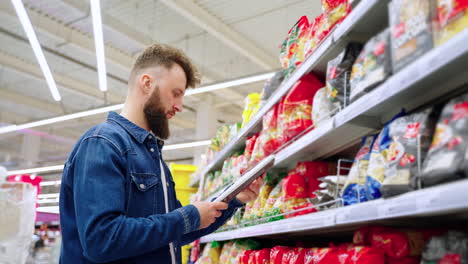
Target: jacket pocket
x,y
145,195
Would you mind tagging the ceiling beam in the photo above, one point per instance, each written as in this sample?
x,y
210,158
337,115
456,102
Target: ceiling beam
x,y
223,32
51,26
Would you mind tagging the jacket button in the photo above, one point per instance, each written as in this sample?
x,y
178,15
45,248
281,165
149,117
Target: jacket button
x,y
142,186
152,149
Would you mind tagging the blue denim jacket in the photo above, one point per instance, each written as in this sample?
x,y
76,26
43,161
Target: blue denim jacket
x,y
112,202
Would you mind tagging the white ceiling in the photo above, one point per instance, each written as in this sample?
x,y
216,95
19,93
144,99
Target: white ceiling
x,y
226,39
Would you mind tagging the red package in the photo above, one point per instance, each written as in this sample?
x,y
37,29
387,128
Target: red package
x,y
366,255
323,256
295,193
451,259
335,11
299,257
402,243
363,236
245,256
289,255
277,253
291,45
262,256
312,170
270,130
321,29
249,145
295,110
405,260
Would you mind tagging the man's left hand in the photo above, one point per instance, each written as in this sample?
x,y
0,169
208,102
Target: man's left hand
x,y
250,193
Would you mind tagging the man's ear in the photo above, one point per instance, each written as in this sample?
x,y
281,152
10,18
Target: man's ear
x,y
144,83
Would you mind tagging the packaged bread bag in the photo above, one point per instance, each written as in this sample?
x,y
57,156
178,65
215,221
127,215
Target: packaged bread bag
x,y
411,23
446,157
411,134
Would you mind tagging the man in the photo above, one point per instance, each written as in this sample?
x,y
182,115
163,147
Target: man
x,y
117,198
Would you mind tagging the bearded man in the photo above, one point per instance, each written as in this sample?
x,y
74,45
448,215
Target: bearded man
x,y
117,198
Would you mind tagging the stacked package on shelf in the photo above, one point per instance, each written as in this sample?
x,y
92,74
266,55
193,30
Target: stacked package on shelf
x,y
252,105
304,37
452,18
372,66
446,160
410,135
338,75
354,189
411,24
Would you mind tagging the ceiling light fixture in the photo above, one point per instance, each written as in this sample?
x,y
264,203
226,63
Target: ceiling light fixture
x,y
48,209
60,167
204,89
99,43
50,183
48,195
34,42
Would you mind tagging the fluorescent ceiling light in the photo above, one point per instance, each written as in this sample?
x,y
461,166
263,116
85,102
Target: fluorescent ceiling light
x,y
99,43
188,145
205,89
43,201
48,209
50,183
232,83
27,26
48,195
60,167
37,170
57,119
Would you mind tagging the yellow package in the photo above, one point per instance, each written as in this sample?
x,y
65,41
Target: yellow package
x,y
226,252
252,104
452,19
210,254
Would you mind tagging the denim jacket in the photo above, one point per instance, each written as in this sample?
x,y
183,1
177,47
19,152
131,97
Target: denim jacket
x,y
112,207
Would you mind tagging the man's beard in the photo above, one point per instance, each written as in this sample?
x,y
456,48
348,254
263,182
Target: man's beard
x,y
156,116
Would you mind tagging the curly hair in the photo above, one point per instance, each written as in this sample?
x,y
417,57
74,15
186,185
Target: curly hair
x,y
167,56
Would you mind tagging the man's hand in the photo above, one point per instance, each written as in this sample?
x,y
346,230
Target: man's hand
x,y
209,212
250,193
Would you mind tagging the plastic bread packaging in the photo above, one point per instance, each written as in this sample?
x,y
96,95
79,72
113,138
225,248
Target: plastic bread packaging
x,y
411,134
411,25
372,67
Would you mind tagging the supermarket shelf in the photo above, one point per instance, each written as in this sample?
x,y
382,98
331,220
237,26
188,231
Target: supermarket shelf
x,y
436,201
444,67
367,19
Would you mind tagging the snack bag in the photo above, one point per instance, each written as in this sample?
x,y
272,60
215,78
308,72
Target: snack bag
x,y
310,44
378,157
452,18
445,159
295,192
225,252
450,248
396,243
322,108
411,23
402,159
289,58
372,66
245,256
322,28
335,11
262,256
338,74
252,103
363,236
275,194
249,146
270,131
365,255
210,254
295,113
260,203
354,191
312,171
277,253
323,256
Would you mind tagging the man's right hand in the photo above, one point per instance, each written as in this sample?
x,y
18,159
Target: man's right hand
x,y
209,212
